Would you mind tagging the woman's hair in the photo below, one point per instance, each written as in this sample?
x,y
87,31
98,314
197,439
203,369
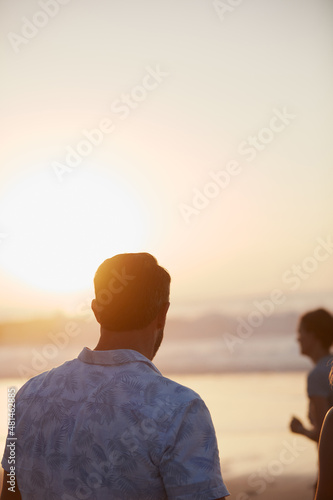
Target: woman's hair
x,y
320,323
130,289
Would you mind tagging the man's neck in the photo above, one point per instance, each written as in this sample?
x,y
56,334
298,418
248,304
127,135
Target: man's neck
x,y
136,340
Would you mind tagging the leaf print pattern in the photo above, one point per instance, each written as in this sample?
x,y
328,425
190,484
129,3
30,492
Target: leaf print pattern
x,y
99,453
177,473
208,440
203,463
108,425
79,462
37,479
185,432
40,445
85,437
55,459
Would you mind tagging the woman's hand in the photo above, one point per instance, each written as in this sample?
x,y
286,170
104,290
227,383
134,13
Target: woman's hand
x,y
296,426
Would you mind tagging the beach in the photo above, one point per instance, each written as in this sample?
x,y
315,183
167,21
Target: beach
x,y
156,154
260,458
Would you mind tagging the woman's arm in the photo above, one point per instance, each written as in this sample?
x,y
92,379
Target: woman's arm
x,y
325,482
318,409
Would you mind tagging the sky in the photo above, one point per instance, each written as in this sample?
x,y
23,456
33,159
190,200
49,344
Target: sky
x,y
198,131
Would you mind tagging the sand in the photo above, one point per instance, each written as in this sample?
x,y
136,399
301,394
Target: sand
x,y
283,488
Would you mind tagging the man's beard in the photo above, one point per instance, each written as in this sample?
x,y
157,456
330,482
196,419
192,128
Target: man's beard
x,y
158,342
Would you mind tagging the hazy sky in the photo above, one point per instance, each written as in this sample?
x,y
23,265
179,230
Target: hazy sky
x,y
214,150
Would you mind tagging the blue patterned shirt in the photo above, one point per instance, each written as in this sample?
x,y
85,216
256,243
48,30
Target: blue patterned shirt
x,y
108,425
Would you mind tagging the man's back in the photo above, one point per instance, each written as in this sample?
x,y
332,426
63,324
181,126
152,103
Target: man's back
x,y
108,423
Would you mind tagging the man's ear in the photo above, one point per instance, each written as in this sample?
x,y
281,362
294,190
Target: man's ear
x,y
97,309
161,317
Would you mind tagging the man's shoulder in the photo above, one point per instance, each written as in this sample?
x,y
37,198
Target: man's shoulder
x,y
38,380
176,403
178,391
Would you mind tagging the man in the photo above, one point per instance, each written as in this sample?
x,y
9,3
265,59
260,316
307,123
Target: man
x,y
108,424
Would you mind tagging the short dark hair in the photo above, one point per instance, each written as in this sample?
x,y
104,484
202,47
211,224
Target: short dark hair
x,y
130,289
320,323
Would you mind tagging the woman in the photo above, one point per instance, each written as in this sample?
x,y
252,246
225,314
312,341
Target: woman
x,y
315,336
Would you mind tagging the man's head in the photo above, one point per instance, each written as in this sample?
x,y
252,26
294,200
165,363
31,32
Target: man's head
x,y
131,289
315,327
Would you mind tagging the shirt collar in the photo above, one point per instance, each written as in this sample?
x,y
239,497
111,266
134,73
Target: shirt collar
x,y
116,357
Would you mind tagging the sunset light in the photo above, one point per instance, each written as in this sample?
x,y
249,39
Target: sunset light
x,y
61,232
166,211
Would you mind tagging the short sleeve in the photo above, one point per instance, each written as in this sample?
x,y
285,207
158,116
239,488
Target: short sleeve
x,y
318,382
190,465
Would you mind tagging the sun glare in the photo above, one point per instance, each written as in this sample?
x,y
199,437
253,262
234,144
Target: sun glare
x,y
61,232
